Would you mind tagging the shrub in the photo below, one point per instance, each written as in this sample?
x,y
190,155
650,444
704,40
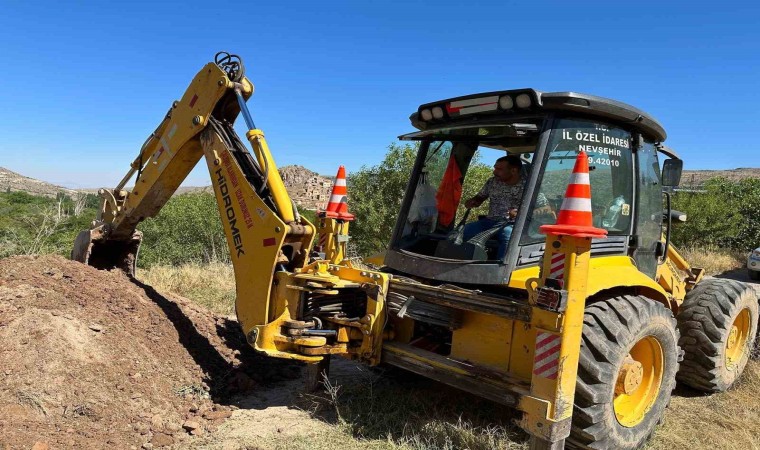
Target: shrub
x,y
187,229
726,215
31,224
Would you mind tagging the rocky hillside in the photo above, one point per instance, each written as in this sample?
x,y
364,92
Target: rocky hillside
x,y
308,189
11,182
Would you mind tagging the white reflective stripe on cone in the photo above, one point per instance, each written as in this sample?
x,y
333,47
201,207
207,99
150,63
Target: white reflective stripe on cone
x,y
579,178
576,204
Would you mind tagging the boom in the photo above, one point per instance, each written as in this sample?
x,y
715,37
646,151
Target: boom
x,y
261,223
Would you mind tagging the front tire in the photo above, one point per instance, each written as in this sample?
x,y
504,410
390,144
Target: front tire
x,y
627,368
718,323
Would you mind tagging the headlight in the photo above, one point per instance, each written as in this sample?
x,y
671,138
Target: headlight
x,y
506,102
426,114
523,101
438,112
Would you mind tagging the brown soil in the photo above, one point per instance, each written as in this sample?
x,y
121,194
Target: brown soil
x,y
93,359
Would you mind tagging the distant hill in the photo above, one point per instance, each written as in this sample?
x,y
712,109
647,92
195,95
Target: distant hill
x,y
11,182
698,177
311,190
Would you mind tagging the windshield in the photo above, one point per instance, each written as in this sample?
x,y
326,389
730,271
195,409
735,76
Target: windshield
x,y
610,174
488,163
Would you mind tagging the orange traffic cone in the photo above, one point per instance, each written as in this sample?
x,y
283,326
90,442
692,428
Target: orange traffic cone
x,y
337,208
575,213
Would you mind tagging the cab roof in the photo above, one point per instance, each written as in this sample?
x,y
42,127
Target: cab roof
x,y
491,105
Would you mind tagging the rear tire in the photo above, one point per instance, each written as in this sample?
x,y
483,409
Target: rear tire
x,y
718,324
754,274
620,333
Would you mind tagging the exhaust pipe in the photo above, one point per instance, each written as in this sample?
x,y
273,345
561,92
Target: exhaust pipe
x,y
92,247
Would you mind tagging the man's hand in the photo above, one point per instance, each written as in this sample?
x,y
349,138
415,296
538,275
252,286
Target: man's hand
x,y
545,211
474,202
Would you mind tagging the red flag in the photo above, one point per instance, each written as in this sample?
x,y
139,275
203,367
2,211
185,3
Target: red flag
x,y
449,193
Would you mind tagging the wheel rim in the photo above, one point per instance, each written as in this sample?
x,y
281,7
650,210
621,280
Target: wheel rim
x,y
737,339
638,382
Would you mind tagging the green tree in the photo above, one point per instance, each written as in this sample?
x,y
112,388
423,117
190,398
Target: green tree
x,y
187,229
375,194
308,214
725,215
31,224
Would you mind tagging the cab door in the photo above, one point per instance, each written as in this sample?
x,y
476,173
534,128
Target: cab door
x,y
648,223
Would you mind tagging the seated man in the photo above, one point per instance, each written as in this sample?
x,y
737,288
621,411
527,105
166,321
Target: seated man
x,y
504,191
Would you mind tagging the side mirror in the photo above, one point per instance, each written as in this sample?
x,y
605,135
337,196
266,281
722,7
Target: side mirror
x,y
671,172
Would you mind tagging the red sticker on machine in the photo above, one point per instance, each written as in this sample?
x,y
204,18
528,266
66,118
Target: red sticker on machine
x,y
268,242
558,266
546,361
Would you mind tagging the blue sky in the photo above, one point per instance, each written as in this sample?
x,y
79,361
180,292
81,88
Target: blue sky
x,y
83,84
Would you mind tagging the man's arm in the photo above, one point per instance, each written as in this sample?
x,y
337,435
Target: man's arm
x,y
474,202
479,198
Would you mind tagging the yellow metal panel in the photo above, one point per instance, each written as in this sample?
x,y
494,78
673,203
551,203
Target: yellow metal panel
x,y
523,345
555,368
519,277
377,259
483,339
282,298
332,233
254,233
605,272
616,271
677,276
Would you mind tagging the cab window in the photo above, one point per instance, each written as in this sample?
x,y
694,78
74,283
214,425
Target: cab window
x,y
608,149
455,164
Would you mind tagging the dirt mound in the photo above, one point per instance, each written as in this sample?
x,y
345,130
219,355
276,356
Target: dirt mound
x,y
92,359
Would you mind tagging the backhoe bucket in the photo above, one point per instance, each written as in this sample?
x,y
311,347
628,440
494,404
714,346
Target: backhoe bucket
x,y
91,247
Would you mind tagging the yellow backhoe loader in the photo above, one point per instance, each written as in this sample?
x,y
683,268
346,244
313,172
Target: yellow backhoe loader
x,y
589,349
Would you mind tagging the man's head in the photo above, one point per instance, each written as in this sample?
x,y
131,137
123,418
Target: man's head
x,y
507,169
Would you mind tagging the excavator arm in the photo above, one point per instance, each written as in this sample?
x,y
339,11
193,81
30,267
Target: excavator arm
x,y
263,229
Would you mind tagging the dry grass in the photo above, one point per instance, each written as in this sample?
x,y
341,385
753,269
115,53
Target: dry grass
x,y
713,259
211,285
32,400
714,422
415,414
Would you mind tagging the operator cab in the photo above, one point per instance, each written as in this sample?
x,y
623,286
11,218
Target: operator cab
x,y
459,141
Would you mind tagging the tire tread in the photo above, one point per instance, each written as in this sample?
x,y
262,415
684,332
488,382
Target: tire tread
x,y
704,320
609,326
